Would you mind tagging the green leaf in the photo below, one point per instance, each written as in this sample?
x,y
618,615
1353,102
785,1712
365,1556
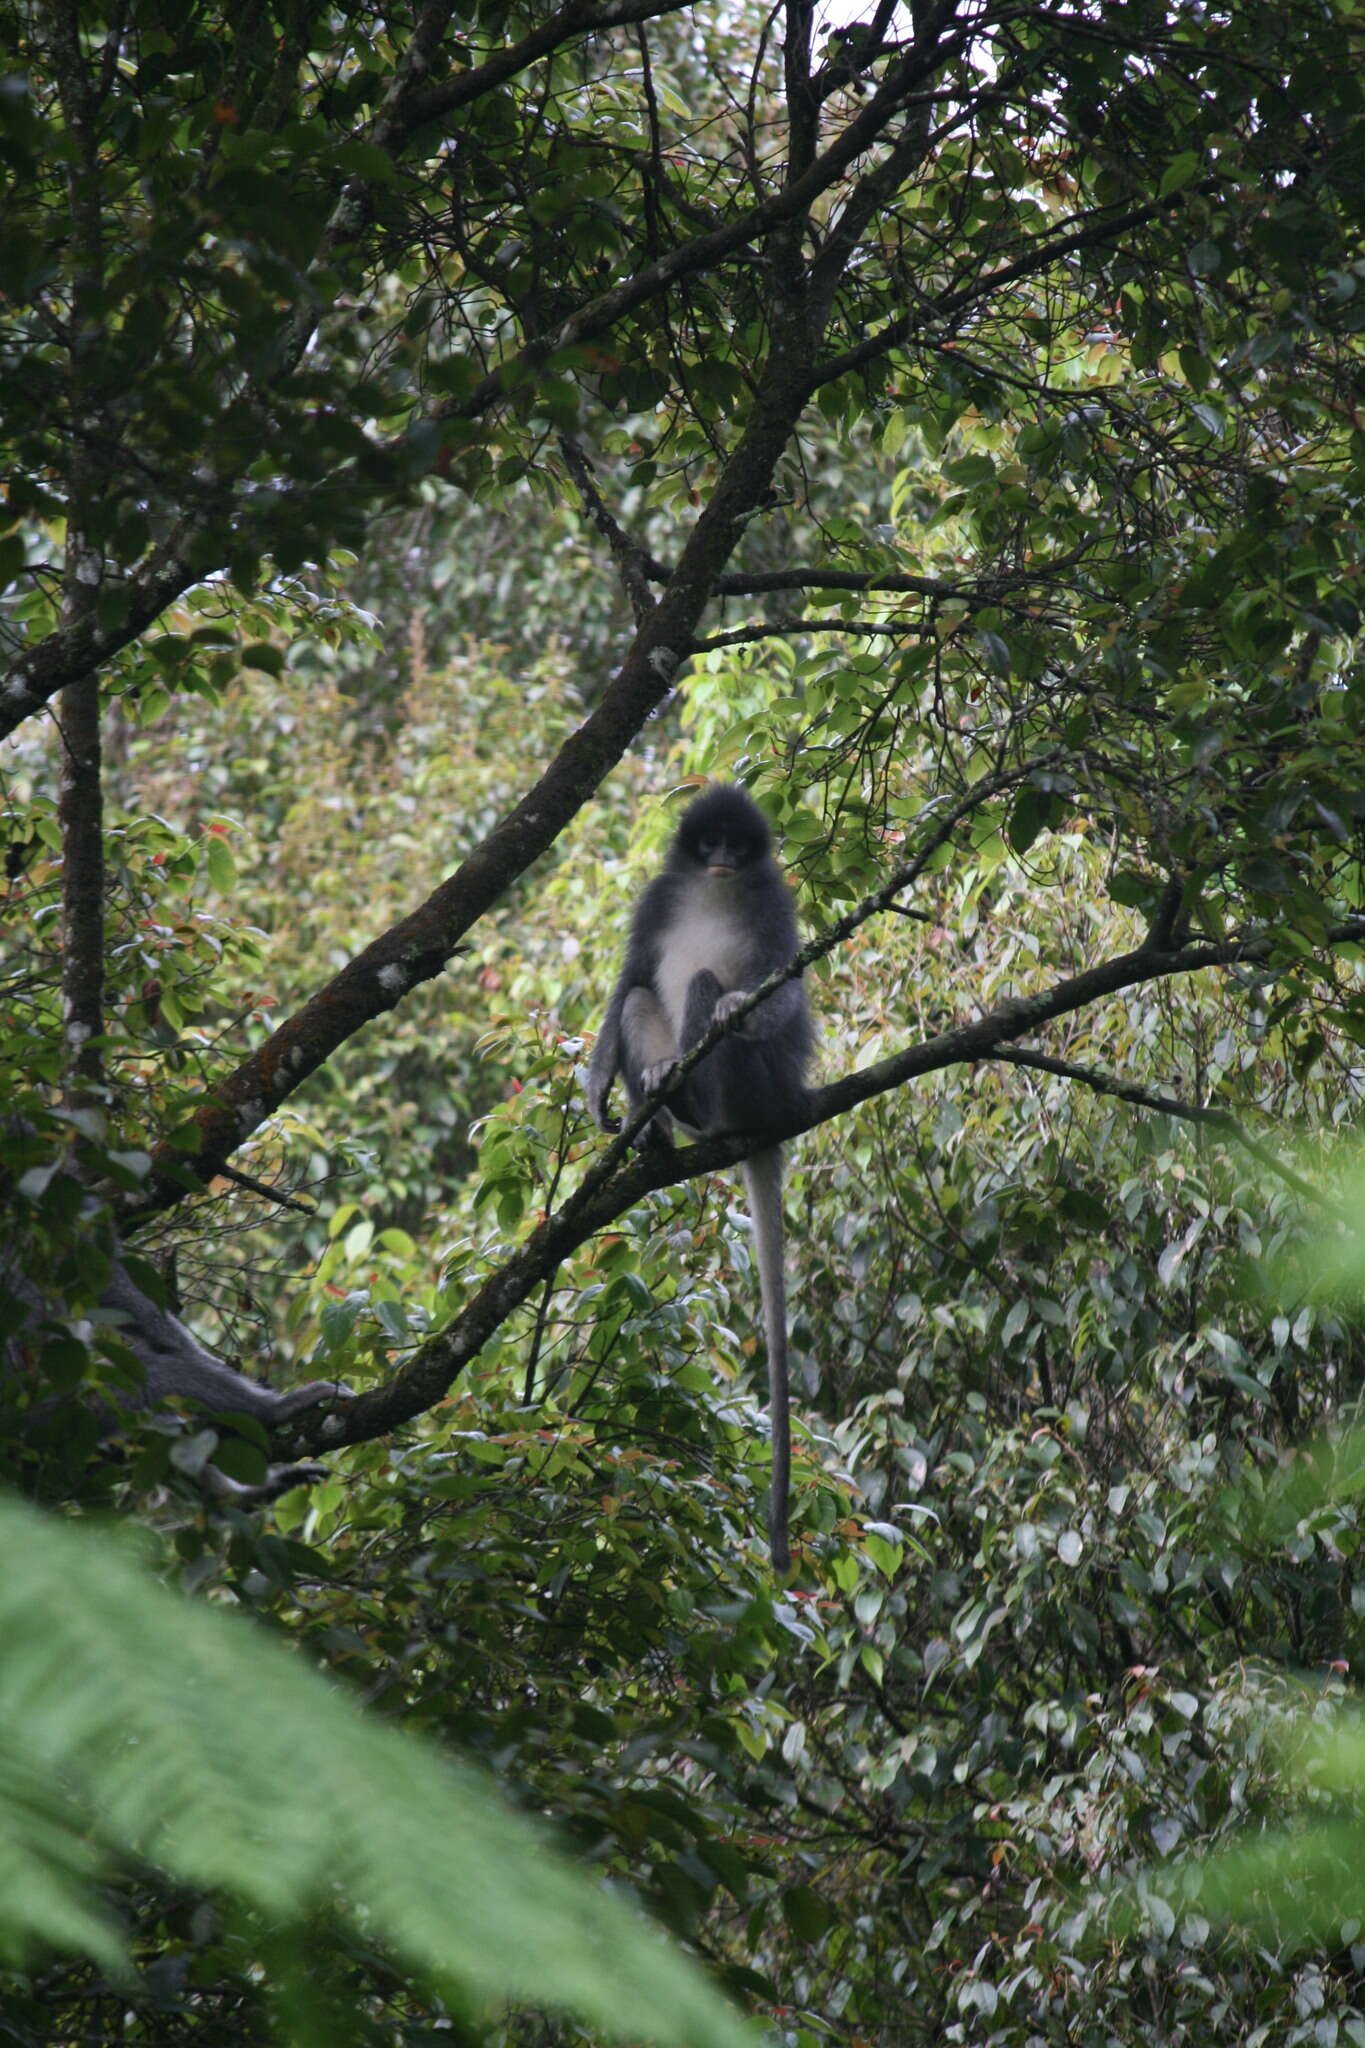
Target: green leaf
x,y
1135,891
806,1913
893,434
11,559
1179,173
970,469
260,654
392,1320
1194,368
338,1319
221,866
886,1556
1033,810
65,1361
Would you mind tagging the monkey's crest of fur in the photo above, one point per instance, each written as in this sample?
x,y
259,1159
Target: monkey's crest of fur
x,y
722,814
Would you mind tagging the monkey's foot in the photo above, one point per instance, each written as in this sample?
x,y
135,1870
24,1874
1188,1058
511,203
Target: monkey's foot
x,y
657,1134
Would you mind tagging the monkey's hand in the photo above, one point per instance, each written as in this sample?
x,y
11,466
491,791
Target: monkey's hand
x,y
601,1115
727,1004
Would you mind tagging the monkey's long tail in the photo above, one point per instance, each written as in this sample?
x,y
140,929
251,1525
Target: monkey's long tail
x,y
763,1181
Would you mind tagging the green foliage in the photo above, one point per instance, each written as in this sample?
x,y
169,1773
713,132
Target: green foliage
x,y
140,1726
1296,1883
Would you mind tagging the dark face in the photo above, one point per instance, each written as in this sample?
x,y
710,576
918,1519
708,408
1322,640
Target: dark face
x,y
723,832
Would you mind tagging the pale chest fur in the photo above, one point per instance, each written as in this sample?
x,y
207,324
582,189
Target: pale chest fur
x,y
706,932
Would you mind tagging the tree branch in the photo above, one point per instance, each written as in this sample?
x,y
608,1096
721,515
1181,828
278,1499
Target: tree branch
x,y
263,1188
420,945
82,645
171,569
892,583
578,17
81,795
743,636
790,203
609,1188
765,582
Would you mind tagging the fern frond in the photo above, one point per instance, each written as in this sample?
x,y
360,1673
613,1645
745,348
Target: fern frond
x,y
179,1736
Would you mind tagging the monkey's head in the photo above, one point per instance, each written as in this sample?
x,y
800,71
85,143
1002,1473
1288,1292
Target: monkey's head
x,y
723,832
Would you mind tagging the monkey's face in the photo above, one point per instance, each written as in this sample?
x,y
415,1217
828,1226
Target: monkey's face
x,y
724,855
723,833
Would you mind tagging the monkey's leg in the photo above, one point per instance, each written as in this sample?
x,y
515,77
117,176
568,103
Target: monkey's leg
x,y
708,1096
737,1087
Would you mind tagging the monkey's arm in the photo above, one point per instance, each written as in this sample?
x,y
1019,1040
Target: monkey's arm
x,y
610,1054
605,1063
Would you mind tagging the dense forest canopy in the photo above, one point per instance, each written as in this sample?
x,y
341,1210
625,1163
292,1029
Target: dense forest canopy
x,y
437,441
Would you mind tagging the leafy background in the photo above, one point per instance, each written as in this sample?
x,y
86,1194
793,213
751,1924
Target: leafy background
x,y
1062,529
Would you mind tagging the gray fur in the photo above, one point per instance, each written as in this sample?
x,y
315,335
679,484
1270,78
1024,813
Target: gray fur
x,y
717,922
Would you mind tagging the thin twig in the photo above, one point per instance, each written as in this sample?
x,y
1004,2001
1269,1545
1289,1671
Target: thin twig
x,y
632,561
1165,1105
261,1187
528,1392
